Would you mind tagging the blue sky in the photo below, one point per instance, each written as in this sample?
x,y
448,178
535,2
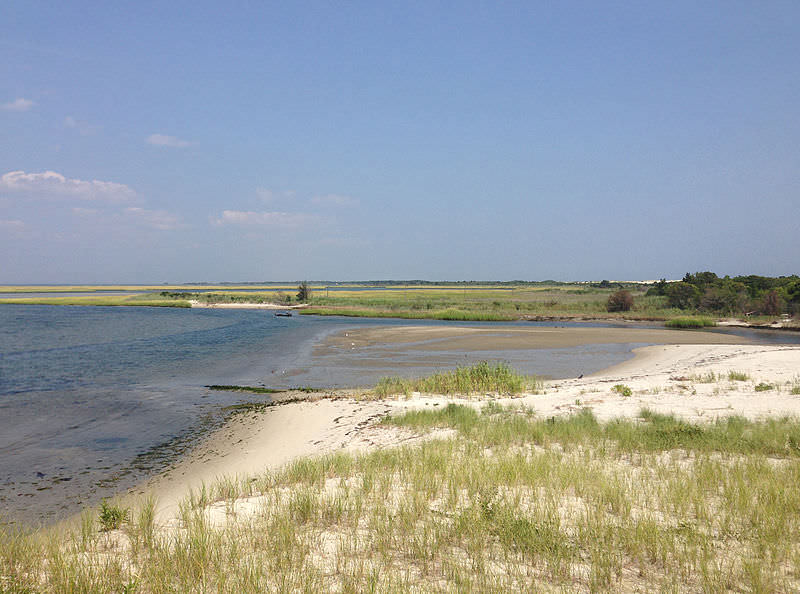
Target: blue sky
x,y
196,141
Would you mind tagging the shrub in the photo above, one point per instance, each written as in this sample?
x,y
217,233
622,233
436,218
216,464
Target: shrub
x,y
112,516
622,390
303,292
620,301
763,387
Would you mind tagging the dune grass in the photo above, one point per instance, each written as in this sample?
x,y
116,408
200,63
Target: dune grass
x,y
510,503
483,377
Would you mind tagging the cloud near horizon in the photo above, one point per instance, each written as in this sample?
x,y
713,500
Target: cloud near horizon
x,y
50,184
160,220
286,220
334,200
12,224
164,140
19,104
83,128
157,219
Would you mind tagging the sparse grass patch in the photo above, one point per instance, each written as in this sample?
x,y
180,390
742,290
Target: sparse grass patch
x,y
705,378
738,376
763,387
794,387
511,503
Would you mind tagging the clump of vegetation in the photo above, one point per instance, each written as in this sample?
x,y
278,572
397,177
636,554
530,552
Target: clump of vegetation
x,y
112,517
483,377
690,322
738,376
763,387
622,300
253,389
303,292
622,390
706,378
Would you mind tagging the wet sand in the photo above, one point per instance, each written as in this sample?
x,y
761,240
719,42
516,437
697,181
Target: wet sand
x,y
453,338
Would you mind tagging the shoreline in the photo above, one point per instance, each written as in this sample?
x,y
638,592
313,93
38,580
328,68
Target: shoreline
x,y
669,379
283,492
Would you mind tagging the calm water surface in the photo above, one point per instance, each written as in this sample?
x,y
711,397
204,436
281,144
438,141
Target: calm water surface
x,y
93,399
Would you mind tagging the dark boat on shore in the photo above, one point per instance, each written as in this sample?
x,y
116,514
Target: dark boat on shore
x,y
283,314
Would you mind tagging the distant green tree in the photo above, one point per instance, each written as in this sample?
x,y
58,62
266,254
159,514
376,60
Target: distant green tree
x,y
725,296
701,279
303,292
771,304
658,289
793,296
682,295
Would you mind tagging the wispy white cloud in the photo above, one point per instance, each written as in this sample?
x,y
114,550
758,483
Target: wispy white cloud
x,y
164,140
265,195
50,184
129,217
84,212
157,219
12,224
334,200
19,104
287,220
83,128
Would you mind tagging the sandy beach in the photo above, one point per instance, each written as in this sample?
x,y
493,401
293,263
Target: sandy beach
x,y
522,495
239,305
689,380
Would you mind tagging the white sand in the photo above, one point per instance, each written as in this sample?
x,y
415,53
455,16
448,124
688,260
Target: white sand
x,y
196,303
663,378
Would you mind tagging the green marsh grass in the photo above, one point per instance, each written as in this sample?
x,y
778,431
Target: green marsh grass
x,y
485,303
483,377
690,322
143,300
510,503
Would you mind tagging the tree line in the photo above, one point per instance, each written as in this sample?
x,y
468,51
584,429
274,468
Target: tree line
x,y
751,294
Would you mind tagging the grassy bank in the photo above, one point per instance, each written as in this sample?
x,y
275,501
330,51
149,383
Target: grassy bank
x,y
510,503
690,322
484,377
